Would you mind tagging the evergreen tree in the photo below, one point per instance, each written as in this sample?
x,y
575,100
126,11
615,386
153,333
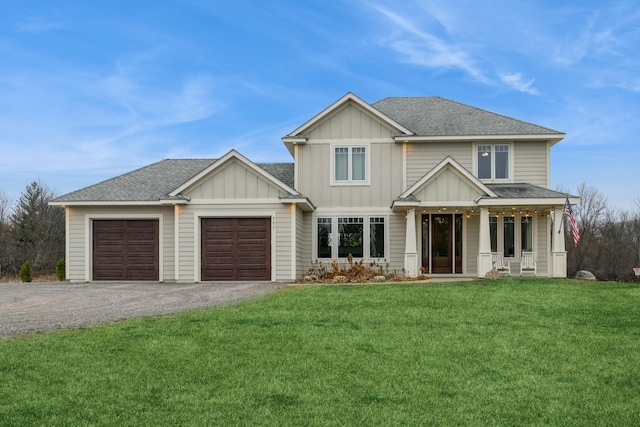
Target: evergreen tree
x,y
37,229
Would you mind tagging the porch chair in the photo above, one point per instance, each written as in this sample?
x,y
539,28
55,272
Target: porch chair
x,y
499,264
528,263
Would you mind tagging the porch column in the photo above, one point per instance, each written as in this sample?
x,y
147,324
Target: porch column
x,y
558,252
410,248
484,244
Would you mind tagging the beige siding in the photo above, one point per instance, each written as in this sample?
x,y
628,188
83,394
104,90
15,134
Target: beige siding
x,y
531,162
80,237
189,250
543,247
385,163
472,239
447,186
233,181
303,242
422,157
397,230
351,121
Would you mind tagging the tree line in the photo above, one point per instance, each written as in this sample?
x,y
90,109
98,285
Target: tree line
x,y
31,231
609,247
609,244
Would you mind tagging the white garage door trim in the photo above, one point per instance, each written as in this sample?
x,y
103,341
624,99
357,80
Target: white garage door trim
x,y
197,243
88,233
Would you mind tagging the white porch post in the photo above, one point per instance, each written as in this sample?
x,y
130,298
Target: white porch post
x,y
484,244
410,249
558,252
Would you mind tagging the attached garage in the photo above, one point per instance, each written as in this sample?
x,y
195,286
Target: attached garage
x,y
236,249
126,250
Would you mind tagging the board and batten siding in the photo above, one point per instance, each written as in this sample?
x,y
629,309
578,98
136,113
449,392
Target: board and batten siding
x,y
531,162
447,186
385,175
349,122
423,157
80,239
233,180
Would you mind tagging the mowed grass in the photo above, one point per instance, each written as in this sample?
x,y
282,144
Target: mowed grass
x,y
506,352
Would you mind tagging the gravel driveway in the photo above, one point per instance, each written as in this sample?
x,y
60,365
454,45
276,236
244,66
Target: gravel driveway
x,y
34,307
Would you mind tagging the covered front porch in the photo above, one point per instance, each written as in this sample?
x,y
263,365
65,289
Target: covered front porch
x,y
458,225
467,241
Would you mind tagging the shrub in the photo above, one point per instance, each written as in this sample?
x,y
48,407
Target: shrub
x,y
25,272
61,270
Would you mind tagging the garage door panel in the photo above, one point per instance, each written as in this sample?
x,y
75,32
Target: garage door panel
x,y
126,250
236,249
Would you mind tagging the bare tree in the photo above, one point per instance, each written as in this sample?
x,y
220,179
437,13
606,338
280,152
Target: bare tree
x,y
5,231
589,213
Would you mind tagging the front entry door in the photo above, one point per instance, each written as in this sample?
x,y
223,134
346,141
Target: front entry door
x,y
441,253
442,243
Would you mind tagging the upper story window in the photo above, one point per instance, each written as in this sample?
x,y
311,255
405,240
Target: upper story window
x,y
349,164
493,161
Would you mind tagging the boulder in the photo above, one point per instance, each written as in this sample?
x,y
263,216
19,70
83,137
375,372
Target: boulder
x,y
585,275
339,279
310,278
379,279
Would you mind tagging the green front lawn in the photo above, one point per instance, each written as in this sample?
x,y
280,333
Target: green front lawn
x,y
506,352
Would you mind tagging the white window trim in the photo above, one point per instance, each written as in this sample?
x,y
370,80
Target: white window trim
x,y
493,163
335,239
367,163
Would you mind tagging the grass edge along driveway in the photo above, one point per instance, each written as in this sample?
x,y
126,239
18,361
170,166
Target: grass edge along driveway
x,y
506,352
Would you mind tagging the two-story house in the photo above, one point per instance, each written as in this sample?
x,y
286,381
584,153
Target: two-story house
x,y
424,184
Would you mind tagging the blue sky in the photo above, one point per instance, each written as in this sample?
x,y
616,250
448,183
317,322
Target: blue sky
x,y
93,89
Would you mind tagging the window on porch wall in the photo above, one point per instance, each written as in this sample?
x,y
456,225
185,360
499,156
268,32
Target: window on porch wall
x,y
493,233
526,233
509,236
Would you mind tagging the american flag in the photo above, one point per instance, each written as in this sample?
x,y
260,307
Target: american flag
x,y
574,224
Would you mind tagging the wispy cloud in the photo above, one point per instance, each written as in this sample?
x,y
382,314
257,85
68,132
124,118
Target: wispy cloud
x,y
517,82
39,24
423,48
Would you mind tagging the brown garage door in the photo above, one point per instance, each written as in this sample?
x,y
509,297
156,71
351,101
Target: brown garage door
x,y
125,250
236,249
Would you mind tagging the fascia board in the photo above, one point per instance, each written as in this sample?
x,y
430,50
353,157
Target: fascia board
x,y
552,138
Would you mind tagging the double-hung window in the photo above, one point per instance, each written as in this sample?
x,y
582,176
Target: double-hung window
x,y
352,236
493,161
349,164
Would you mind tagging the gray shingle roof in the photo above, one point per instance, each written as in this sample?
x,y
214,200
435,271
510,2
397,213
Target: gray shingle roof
x,y
282,171
524,191
435,116
156,181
